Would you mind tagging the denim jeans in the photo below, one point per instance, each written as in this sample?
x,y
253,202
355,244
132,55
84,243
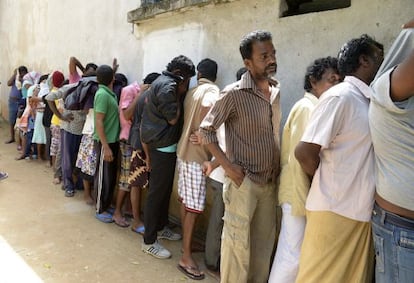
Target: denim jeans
x,y
394,247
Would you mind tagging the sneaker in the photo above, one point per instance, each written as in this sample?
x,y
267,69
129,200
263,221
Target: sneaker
x,y
69,193
156,250
168,234
3,175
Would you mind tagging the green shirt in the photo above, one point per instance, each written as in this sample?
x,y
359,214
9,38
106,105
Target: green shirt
x,y
106,102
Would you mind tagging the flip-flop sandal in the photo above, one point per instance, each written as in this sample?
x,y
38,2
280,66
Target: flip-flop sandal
x,y
121,222
103,217
187,271
140,230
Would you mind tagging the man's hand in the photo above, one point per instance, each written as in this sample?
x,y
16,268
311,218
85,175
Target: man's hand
x,y
148,163
207,168
195,138
67,117
410,24
236,173
107,154
115,65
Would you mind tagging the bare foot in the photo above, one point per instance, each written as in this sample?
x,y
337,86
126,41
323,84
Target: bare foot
x,y
57,181
89,200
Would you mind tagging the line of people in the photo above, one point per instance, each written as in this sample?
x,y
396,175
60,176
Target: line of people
x,y
336,158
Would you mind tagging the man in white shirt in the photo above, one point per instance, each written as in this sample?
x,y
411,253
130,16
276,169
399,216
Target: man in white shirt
x,y
336,149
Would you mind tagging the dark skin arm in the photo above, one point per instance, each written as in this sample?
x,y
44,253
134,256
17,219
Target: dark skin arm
x,y
402,84
99,124
308,156
68,117
73,63
10,82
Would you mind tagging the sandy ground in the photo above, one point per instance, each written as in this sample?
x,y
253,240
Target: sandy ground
x,y
46,237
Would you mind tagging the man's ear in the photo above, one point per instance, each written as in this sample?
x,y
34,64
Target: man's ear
x,y
364,60
247,63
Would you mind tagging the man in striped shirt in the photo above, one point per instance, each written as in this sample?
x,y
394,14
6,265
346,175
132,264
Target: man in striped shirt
x,y
250,109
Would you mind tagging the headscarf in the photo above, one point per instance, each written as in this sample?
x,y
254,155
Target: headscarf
x,y
31,78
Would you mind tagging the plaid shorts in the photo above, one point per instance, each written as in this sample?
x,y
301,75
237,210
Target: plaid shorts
x,y
138,174
55,140
191,186
126,154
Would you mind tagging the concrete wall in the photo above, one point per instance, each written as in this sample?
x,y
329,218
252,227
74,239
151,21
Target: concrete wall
x,y
43,35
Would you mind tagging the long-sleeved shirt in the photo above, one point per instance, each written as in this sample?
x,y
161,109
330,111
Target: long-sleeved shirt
x,y
252,128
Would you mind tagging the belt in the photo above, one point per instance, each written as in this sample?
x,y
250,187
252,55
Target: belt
x,y
393,218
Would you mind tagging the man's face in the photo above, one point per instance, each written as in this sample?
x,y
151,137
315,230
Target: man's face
x,y
329,78
263,64
183,86
376,61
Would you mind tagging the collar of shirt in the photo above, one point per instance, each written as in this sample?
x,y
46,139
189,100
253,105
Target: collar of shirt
x,y
247,82
204,81
363,87
108,90
311,97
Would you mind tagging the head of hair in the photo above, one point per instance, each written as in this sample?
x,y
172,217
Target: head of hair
x,y
348,57
207,68
121,79
104,75
22,70
317,69
91,66
182,65
240,73
151,77
246,44
43,78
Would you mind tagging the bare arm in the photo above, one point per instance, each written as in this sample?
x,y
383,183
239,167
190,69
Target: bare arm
x,y
10,82
100,130
73,63
402,83
145,148
129,111
308,156
115,65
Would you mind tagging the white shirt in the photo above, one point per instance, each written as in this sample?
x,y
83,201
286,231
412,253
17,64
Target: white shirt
x,y
344,180
392,130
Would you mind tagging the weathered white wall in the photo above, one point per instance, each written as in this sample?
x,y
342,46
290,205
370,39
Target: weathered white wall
x,y
43,35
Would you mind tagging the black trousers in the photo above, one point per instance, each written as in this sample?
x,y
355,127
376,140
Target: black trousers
x,y
159,192
105,177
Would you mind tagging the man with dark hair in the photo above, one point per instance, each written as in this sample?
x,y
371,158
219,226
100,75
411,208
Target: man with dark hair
x,y
138,171
336,150
250,109
106,136
294,183
15,98
161,127
191,180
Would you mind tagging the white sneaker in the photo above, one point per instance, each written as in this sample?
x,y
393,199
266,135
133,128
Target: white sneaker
x,y
168,234
156,250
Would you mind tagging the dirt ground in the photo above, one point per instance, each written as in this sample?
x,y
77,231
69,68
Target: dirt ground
x,y
46,237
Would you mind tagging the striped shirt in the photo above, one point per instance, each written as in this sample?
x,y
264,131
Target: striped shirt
x,y
252,128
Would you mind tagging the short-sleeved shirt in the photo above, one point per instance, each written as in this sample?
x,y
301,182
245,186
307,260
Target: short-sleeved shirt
x,y
392,131
128,95
76,125
74,78
344,181
294,183
106,102
204,95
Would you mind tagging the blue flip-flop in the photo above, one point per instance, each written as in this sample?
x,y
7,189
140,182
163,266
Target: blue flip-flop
x,y
104,217
140,230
